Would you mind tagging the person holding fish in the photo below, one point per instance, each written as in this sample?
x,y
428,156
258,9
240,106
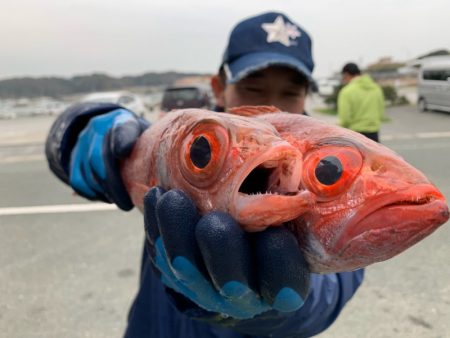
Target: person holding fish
x,y
202,275
251,216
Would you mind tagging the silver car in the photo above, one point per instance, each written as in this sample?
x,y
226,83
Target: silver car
x,y
434,84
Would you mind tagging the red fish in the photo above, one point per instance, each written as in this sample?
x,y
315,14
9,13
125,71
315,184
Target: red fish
x,y
350,201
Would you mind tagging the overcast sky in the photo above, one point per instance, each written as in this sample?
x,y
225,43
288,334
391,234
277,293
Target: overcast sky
x,y
128,37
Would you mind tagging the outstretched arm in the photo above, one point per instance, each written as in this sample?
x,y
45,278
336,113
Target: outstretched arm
x,y
85,145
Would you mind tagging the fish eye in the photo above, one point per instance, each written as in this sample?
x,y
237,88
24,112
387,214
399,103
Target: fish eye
x,y
329,170
200,152
203,153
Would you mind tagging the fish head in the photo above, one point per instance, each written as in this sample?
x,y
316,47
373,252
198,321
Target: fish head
x,y
235,164
369,206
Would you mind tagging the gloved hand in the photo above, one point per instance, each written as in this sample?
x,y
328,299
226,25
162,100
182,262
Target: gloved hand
x,y
94,165
217,265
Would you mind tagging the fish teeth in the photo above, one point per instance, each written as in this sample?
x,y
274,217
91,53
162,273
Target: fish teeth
x,y
268,192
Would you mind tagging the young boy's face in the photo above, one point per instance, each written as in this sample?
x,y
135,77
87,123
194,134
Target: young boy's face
x,y
281,87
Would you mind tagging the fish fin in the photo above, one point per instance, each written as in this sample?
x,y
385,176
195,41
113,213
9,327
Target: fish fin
x,y
253,110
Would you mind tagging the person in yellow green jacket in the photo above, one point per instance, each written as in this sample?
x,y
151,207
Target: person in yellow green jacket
x,y
360,102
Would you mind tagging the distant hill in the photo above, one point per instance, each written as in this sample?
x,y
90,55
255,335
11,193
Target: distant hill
x,y
57,87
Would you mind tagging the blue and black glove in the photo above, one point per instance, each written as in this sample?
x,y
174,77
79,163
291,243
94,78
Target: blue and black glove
x,y
215,264
85,146
94,165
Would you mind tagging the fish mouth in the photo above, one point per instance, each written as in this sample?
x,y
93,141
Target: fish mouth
x,y
268,190
393,223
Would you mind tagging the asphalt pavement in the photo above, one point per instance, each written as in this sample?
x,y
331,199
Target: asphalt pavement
x,y
70,268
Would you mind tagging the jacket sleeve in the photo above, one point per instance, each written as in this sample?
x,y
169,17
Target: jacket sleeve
x,y
64,132
344,109
327,296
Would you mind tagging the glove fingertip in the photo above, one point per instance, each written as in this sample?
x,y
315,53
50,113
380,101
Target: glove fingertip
x,y
152,196
282,268
113,185
144,124
287,300
226,251
175,207
185,270
177,217
78,183
150,221
124,137
234,289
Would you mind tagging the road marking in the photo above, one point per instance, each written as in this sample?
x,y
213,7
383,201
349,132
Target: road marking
x,y
420,146
420,135
56,209
22,158
434,134
398,137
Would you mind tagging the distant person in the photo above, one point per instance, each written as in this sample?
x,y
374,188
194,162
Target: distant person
x,y
360,102
184,293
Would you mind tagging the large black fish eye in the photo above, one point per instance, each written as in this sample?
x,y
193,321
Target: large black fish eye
x,y
329,170
200,152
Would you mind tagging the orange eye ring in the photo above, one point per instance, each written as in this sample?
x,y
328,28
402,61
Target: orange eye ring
x,y
200,167
330,170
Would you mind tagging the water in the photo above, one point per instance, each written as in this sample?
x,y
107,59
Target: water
x,y
16,108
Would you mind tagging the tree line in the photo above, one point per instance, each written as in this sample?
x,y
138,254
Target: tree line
x,y
57,87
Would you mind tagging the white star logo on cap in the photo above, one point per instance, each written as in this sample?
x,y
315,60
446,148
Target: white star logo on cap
x,y
281,32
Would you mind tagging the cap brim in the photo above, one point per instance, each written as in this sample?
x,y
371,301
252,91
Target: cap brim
x,y
249,63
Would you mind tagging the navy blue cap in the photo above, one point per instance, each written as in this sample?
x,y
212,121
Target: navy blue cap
x,y
265,40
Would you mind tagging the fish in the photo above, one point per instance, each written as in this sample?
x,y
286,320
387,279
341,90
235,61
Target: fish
x,y
349,201
214,158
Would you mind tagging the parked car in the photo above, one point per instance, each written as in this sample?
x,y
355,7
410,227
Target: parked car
x,y
123,98
434,84
326,87
176,97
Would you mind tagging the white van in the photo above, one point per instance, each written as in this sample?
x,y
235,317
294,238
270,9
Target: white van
x,y
122,98
434,84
